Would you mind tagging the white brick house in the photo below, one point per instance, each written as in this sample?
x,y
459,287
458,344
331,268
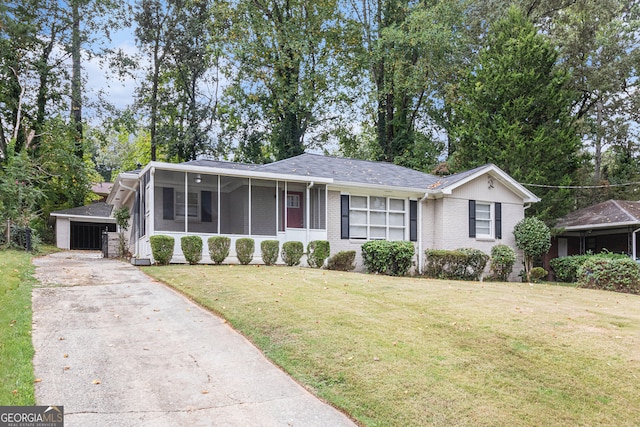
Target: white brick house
x,y
311,197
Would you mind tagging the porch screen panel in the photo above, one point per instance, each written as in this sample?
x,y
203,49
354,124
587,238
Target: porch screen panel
x,y
317,208
263,207
234,205
166,186
203,191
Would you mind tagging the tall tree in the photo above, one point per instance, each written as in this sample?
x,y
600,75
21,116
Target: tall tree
x,y
188,94
154,19
283,70
514,110
409,55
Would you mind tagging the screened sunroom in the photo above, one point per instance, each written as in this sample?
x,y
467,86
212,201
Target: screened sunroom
x,y
199,202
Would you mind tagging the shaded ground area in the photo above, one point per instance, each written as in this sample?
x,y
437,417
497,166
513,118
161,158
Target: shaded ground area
x,y
116,348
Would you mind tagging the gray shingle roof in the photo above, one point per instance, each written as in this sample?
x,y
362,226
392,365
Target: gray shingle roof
x,y
602,214
222,165
345,170
98,209
351,171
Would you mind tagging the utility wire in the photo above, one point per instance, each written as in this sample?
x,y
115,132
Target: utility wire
x,y
581,187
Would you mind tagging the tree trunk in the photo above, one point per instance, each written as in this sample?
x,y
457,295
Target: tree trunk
x,y
76,78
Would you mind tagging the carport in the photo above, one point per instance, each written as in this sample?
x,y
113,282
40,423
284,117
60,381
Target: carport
x,y
82,227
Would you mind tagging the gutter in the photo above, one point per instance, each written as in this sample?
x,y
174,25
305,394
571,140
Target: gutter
x,y
420,248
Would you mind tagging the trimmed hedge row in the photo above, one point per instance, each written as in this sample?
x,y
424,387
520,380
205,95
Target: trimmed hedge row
x,y
386,257
566,268
610,274
459,264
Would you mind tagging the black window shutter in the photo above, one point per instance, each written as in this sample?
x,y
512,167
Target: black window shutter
x,y
205,206
472,218
167,203
344,216
413,220
498,212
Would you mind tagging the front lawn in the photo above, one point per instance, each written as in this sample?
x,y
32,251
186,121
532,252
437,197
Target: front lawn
x,y
414,352
16,348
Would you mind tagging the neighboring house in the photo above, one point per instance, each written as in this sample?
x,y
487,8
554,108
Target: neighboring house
x,y
82,227
311,197
610,225
102,190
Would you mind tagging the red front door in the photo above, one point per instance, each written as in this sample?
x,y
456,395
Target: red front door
x,y
295,217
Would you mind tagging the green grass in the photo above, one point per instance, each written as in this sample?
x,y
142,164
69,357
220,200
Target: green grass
x,y
16,348
411,352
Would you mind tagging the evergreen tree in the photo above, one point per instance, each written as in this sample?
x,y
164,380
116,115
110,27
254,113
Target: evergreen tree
x,y
514,110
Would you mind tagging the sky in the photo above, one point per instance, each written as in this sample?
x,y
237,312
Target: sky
x,y
101,78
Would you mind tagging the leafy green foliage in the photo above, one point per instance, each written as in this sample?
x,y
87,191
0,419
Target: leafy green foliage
x,y
620,275
122,217
283,73
219,248
514,110
162,248
459,264
385,257
566,268
191,248
342,261
245,248
317,252
270,249
533,238
503,258
20,186
292,252
538,273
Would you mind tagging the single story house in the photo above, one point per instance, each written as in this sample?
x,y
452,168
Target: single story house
x,y
612,225
315,197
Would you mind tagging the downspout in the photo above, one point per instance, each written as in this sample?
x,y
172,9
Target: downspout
x,y
308,214
420,248
633,243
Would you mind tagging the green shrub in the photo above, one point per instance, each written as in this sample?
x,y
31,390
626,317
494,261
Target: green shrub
x,y
385,257
533,238
566,268
620,275
538,273
342,261
218,248
460,264
244,250
191,248
475,263
269,249
292,252
317,252
503,258
162,248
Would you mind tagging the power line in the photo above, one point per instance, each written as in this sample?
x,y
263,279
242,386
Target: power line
x,y
581,187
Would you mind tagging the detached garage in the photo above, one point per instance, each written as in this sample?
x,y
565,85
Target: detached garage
x,y
81,228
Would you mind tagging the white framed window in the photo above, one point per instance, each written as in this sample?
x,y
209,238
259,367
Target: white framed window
x,y
377,218
484,219
293,201
193,204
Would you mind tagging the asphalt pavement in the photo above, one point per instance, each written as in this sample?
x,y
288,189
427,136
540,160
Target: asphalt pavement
x,y
117,348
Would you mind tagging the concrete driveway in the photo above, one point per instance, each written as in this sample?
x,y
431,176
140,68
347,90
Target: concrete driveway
x,y
117,348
